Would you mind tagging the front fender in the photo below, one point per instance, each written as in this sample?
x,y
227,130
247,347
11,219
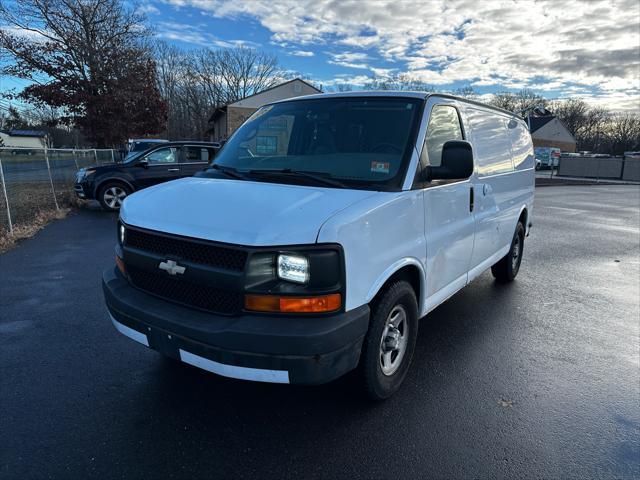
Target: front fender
x,y
98,182
392,270
379,235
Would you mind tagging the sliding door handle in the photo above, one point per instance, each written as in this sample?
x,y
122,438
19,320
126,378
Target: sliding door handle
x,y
471,199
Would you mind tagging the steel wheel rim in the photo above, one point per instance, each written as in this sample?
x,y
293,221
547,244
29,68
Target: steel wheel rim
x,y
113,196
515,256
394,340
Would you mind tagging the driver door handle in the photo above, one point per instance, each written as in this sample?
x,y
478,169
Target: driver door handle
x,y
173,170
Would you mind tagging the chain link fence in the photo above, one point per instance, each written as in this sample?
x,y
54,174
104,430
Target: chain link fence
x,y
34,180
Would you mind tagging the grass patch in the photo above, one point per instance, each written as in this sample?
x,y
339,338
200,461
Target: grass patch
x,y
27,230
32,207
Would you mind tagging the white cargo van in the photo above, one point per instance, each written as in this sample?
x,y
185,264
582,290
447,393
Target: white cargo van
x,y
327,226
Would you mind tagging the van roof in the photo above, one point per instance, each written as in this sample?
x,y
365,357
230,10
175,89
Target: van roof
x,y
396,93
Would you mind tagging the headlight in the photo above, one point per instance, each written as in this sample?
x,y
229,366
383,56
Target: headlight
x,y
121,233
294,268
83,174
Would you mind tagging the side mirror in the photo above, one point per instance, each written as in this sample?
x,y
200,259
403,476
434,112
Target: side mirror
x,y
457,162
143,163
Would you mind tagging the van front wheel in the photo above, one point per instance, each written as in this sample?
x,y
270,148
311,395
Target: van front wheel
x,y
507,268
390,341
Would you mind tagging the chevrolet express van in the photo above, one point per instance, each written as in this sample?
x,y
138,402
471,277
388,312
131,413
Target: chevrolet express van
x,y
326,227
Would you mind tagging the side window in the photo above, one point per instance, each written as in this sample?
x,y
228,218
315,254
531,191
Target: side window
x,y
444,125
491,142
196,154
162,156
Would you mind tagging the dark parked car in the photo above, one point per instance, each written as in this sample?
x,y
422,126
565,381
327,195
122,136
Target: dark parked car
x,y
110,184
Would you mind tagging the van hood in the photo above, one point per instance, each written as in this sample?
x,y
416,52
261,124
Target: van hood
x,y
238,211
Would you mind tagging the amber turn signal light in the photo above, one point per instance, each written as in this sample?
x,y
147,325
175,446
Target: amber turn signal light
x,y
120,265
275,303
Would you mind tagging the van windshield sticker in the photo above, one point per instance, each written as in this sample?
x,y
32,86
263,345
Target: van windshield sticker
x,y
380,167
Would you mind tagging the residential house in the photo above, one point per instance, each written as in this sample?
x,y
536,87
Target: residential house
x,y
23,138
226,119
549,131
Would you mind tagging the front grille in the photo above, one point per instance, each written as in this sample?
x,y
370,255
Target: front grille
x,y
188,293
193,251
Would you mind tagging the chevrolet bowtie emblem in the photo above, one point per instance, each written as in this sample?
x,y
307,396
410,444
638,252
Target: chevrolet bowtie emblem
x,y
171,267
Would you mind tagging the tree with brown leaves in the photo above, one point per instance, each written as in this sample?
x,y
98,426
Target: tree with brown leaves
x,y
88,58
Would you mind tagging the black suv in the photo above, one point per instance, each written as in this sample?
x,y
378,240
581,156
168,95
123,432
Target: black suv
x,y
110,184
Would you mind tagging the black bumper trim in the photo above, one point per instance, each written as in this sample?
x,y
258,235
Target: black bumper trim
x,y
313,350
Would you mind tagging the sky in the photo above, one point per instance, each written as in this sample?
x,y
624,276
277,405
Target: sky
x,y
564,48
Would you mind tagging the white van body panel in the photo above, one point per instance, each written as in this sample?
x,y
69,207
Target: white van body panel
x,y
501,191
379,235
238,211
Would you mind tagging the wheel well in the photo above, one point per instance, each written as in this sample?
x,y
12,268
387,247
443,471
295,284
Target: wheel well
x,y
523,218
106,181
409,273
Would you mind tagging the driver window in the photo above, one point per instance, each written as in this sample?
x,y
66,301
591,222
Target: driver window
x,y
162,156
444,125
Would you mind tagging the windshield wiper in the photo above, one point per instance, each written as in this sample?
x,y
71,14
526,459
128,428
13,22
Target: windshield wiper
x,y
229,171
325,178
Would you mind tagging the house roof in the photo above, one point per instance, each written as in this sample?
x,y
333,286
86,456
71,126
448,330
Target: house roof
x,y
25,133
277,86
217,112
222,109
539,122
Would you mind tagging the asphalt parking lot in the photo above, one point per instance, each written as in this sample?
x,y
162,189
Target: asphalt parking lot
x,y
539,378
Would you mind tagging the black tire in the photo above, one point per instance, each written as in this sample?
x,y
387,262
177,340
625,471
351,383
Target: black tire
x,y
109,195
508,267
399,296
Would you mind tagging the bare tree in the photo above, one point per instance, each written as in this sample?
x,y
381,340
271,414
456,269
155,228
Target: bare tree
x,y
592,135
572,112
344,87
466,92
624,133
245,71
518,102
504,100
402,81
195,83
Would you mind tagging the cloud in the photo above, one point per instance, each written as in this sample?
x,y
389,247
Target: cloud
x,y
349,59
382,72
197,35
503,43
26,34
302,53
148,9
354,81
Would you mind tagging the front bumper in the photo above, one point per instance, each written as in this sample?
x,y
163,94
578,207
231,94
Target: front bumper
x,y
83,190
267,348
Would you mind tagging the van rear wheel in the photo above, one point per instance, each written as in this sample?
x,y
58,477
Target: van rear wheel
x,y
390,341
508,267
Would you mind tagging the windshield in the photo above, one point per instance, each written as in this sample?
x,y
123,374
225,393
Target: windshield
x,y
360,142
